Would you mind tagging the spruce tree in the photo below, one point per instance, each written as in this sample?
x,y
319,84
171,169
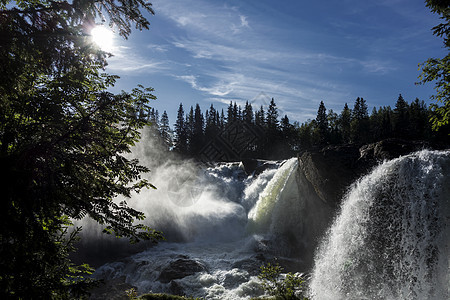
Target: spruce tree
x,y
401,118
260,120
180,132
322,124
197,140
165,131
272,117
345,119
231,117
247,114
190,129
360,122
211,124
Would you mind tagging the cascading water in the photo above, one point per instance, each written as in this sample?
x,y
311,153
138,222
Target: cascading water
x,y
391,239
206,215
260,215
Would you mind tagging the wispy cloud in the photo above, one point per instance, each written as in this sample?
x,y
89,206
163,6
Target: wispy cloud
x,y
158,48
228,53
219,89
127,61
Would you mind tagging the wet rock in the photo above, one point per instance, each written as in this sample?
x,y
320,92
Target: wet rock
x,y
176,289
251,265
250,165
256,166
180,268
391,148
114,289
332,169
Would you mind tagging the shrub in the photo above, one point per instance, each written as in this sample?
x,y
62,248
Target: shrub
x,y
282,286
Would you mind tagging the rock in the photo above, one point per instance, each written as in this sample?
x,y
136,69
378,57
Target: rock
x,y
176,289
114,289
180,268
264,165
391,148
332,169
256,166
251,265
250,165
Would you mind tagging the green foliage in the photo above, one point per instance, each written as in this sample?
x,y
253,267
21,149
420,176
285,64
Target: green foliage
x,y
282,286
132,294
63,141
438,70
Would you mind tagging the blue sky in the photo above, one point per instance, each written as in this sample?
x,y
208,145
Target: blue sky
x,y
298,52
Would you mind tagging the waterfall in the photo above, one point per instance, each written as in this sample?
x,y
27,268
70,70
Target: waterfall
x,y
205,214
391,239
260,216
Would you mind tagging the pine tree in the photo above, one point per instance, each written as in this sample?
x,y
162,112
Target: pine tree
x,y
212,124
260,120
231,117
247,115
272,117
165,131
322,124
190,129
180,132
197,140
400,119
334,134
345,119
360,122
419,120
154,118
222,121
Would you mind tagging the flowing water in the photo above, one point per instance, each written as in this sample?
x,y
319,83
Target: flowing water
x,y
216,220
390,239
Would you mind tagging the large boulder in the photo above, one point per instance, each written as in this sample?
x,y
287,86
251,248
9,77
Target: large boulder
x,y
114,289
331,170
180,268
390,149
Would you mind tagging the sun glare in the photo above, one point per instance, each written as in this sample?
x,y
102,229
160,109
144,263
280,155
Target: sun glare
x,y
103,37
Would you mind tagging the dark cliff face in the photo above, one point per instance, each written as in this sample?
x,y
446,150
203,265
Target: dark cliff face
x,y
333,169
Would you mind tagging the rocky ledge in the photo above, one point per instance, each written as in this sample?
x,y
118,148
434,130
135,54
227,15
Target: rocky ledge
x,y
332,169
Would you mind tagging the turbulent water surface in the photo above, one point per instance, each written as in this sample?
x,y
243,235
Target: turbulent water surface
x,y
217,221
390,239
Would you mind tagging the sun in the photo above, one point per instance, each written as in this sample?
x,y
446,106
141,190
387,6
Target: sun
x,y
103,38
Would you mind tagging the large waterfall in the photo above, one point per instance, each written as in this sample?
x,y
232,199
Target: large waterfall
x,y
391,238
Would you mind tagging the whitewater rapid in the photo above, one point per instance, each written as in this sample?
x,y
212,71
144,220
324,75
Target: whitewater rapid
x,y
216,219
391,239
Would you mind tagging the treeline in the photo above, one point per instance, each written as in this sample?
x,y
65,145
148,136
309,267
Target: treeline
x,y
261,134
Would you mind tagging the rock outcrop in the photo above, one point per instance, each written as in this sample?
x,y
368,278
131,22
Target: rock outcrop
x,y
333,169
180,268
